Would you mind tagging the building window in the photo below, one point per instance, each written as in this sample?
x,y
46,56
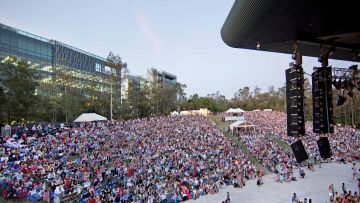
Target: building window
x,y
107,70
113,71
97,67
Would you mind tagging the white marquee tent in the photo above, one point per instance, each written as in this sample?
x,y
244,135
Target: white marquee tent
x,y
89,117
236,123
174,113
234,114
242,125
237,110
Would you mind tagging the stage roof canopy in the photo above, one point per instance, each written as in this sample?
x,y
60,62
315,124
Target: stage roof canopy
x,y
276,24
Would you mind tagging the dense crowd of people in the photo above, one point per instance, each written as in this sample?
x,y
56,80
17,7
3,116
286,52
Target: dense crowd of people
x,y
164,159
345,141
263,143
160,159
344,196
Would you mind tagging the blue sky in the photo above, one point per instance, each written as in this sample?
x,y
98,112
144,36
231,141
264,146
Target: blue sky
x,y
180,37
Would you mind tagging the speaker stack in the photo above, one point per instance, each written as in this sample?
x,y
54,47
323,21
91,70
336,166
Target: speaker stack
x,y
322,101
322,107
295,109
295,101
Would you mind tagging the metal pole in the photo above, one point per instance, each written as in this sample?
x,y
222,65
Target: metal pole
x,y
298,53
345,114
54,92
352,113
325,59
66,105
111,105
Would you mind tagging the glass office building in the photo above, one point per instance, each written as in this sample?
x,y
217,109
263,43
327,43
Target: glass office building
x,y
162,78
48,57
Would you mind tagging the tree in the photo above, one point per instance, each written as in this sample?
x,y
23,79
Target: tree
x,y
167,98
144,103
181,96
18,86
116,77
307,100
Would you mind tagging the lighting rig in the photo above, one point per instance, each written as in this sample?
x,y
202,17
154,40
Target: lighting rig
x,y
345,79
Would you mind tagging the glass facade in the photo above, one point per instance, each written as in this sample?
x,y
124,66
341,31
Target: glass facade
x,y
163,78
24,45
48,57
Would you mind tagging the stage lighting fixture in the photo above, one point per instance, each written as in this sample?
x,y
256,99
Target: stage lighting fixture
x,y
353,67
258,45
336,84
340,100
320,59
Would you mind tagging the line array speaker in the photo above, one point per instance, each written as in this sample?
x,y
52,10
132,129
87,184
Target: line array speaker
x,y
295,101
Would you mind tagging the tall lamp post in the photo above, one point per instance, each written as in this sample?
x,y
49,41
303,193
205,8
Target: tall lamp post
x,y
111,105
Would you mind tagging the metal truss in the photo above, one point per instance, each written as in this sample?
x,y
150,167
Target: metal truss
x,y
345,74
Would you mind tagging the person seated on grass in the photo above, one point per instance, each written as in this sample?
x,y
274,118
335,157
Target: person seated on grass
x,y
311,167
259,182
277,178
222,183
236,183
301,173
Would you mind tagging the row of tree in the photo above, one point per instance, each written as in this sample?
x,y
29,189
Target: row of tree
x,y
23,97
251,99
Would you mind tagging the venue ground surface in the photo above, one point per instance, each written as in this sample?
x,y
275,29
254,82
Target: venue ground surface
x,y
314,186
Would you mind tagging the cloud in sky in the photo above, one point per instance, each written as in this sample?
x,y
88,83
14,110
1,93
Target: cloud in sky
x,y
146,30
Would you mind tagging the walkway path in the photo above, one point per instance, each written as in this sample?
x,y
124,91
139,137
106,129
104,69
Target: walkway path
x,y
314,186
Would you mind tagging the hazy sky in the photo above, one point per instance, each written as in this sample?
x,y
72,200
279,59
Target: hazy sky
x,y
180,37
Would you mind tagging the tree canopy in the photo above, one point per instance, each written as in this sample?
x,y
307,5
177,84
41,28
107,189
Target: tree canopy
x,y
23,97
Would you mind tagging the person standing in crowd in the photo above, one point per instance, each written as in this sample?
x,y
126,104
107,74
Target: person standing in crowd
x,y
7,129
354,172
46,196
228,197
331,192
294,198
343,188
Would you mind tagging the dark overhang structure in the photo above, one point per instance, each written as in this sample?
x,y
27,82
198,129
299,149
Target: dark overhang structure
x,y
274,25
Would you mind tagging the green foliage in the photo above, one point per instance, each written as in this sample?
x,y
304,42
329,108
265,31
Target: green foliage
x,y
65,96
115,63
214,102
248,100
63,99
17,89
343,113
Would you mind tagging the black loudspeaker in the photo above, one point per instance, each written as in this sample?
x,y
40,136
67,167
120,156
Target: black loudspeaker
x,y
322,100
324,147
299,151
295,101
